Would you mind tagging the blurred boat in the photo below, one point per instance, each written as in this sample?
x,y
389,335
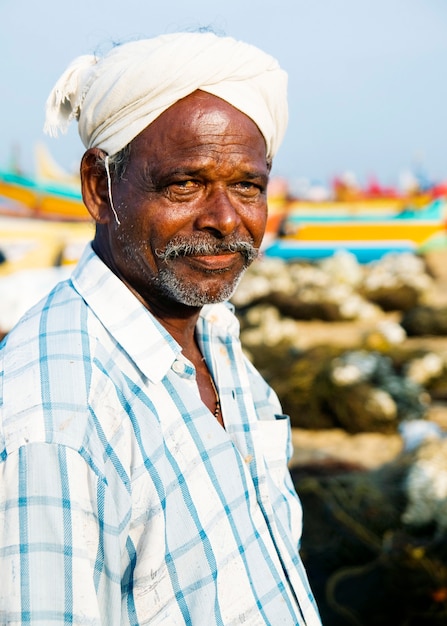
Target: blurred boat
x,y
319,233
52,201
32,243
51,194
382,207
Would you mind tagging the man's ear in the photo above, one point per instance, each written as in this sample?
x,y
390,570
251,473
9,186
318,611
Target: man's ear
x,y
94,185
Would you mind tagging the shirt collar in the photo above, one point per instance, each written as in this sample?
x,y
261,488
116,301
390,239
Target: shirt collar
x,y
138,332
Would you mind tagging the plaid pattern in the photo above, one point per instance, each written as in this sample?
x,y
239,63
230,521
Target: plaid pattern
x,y
122,500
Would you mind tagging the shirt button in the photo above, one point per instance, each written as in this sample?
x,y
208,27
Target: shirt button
x,y
177,367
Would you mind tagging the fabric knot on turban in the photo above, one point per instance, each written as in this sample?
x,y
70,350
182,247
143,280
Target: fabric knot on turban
x,y
115,97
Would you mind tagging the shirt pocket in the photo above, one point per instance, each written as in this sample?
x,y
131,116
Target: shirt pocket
x,y
276,440
276,444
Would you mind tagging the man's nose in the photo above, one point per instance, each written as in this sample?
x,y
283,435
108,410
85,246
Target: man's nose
x,y
219,214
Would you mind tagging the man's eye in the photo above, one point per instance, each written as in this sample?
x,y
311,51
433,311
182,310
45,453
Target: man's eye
x,y
183,186
249,188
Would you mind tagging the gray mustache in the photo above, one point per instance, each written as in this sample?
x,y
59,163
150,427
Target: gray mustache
x,y
180,247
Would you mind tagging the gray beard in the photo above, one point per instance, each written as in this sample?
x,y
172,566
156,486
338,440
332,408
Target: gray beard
x,y
193,294
196,294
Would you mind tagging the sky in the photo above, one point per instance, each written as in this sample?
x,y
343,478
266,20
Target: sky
x,y
367,78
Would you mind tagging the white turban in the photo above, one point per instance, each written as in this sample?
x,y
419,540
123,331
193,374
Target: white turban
x,y
115,97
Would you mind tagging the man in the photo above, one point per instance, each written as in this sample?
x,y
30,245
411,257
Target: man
x,y
144,476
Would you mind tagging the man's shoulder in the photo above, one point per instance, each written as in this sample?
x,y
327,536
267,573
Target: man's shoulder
x,y
54,313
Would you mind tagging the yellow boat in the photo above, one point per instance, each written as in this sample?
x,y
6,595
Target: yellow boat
x,y
368,235
46,200
380,230
33,243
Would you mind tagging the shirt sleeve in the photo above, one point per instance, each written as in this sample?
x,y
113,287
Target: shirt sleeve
x,y
59,559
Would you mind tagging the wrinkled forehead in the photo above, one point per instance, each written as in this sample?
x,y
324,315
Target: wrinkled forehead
x,y
201,111
202,124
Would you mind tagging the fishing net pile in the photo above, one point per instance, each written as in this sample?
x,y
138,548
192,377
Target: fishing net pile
x,y
375,529
374,542
372,385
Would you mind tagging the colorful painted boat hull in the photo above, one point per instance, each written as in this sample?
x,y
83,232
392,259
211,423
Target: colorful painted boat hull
x,y
365,252
33,243
367,236
53,202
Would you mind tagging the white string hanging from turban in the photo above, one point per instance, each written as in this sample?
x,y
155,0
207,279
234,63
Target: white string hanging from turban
x,y
115,97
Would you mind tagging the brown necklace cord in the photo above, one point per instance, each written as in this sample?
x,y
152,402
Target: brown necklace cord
x,y
216,393
217,409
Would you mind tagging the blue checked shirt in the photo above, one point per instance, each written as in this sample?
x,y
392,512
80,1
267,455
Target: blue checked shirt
x,y
122,499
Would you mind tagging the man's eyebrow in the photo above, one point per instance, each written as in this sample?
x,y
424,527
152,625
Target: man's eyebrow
x,y
246,174
252,174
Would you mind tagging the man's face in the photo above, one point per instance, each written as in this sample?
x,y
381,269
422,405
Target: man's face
x,y
192,204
